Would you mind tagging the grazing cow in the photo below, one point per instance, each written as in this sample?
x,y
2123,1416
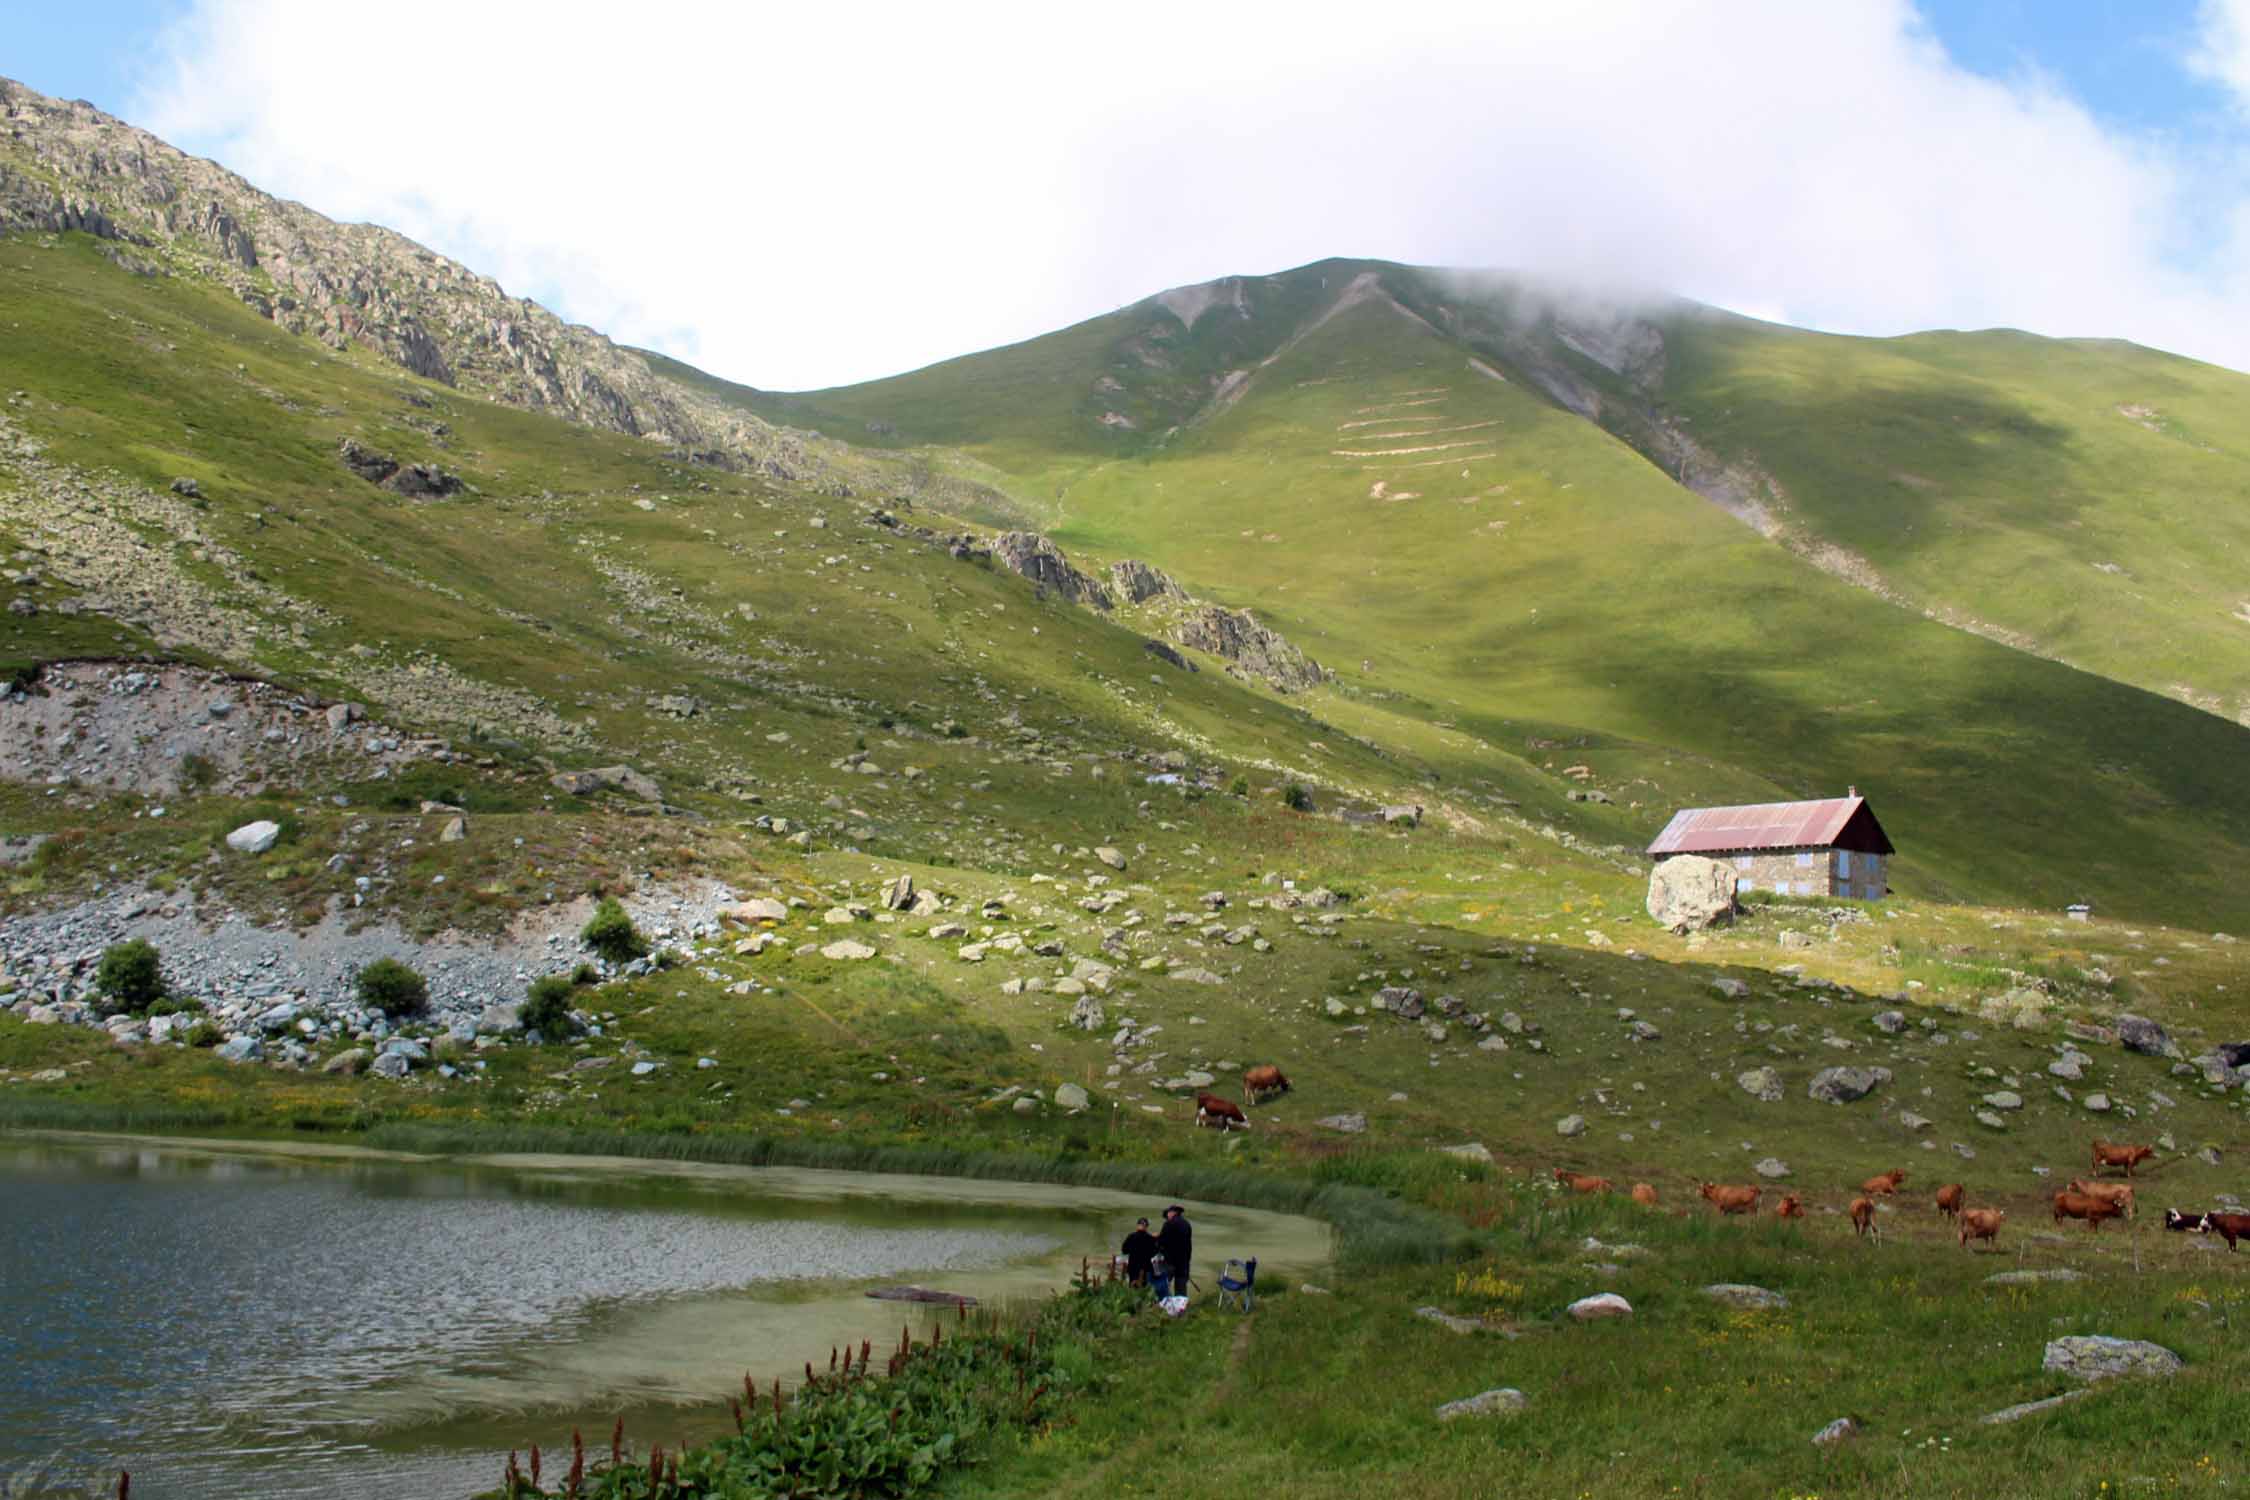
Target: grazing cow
x,y
1210,1109
1259,1082
2119,1193
1644,1195
2233,1226
1790,1207
1979,1224
2180,1223
2127,1157
1579,1183
1863,1216
1949,1199
1887,1184
2069,1205
1731,1200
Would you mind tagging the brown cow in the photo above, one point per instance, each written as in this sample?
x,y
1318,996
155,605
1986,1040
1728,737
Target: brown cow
x,y
1644,1195
1263,1080
2070,1205
1980,1224
1949,1199
1731,1200
1887,1184
1863,1216
1579,1183
2119,1193
1790,1207
1211,1109
2127,1157
2233,1226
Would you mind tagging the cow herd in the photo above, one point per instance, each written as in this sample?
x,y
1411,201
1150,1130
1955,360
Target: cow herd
x,y
2089,1199
1258,1085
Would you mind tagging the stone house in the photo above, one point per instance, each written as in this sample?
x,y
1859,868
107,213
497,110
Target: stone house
x,y
1832,847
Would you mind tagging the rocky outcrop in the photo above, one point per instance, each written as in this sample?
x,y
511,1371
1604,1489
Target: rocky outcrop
x,y
1137,582
1041,561
1250,648
1689,893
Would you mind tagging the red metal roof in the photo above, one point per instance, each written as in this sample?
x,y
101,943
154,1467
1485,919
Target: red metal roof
x,y
1766,825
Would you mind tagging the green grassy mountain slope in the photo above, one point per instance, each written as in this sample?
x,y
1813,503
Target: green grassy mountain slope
x,y
2086,500
1402,491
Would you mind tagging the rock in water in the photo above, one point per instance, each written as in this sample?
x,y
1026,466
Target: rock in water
x,y
254,838
1503,1402
2093,1356
1843,1085
1689,893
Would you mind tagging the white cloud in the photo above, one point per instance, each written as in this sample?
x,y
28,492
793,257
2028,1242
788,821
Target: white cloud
x,y
2222,49
804,195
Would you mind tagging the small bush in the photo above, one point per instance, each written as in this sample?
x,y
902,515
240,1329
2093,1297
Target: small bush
x,y
204,1034
546,1009
172,1005
1296,798
197,770
131,976
585,974
611,934
1240,787
392,988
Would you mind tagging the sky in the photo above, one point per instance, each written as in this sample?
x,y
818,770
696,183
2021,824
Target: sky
x,y
802,196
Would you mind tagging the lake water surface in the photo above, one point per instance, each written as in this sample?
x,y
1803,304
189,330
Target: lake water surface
x,y
227,1319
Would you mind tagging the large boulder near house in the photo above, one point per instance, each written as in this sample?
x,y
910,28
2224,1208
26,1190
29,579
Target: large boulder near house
x,y
1689,893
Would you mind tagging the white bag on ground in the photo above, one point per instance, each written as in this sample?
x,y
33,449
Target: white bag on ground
x,y
1173,1306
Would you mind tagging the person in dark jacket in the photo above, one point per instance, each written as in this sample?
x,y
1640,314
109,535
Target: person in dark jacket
x,y
1176,1243
1140,1249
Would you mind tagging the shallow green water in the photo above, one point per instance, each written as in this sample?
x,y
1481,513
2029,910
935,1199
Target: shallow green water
x,y
230,1320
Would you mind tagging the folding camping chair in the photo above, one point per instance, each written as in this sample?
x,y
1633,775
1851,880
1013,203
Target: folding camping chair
x,y
1238,1281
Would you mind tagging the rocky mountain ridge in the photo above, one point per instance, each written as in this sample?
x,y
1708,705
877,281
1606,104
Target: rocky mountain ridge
x,y
67,166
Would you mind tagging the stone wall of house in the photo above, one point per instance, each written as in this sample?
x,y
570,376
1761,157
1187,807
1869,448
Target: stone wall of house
x,y
1812,872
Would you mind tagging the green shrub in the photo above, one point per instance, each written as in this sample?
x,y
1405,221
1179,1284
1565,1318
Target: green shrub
x,y
1240,787
1296,797
175,1005
205,1034
610,933
392,988
131,976
585,974
546,1009
197,770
